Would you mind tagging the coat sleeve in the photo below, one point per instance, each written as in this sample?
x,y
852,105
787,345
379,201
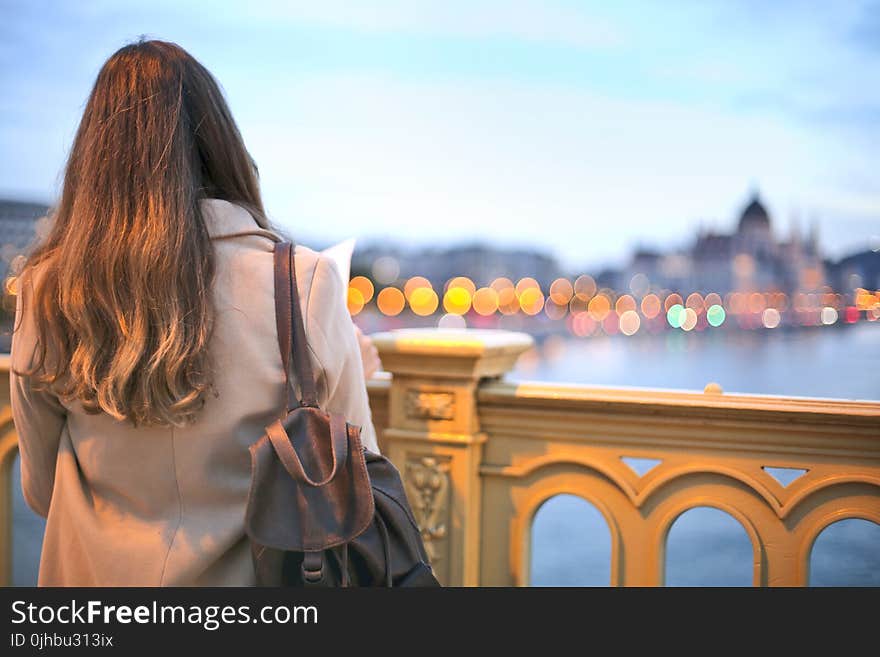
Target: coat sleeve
x,y
336,352
39,416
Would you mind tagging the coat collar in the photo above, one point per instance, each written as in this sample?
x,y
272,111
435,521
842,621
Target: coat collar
x,y
225,219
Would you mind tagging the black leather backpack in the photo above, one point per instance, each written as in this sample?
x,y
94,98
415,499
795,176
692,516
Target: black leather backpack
x,y
323,510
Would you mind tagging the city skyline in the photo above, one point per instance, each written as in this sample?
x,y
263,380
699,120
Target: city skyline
x,y
753,253
575,127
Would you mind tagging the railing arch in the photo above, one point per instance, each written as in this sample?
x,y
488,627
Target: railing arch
x,y
669,516
825,515
537,491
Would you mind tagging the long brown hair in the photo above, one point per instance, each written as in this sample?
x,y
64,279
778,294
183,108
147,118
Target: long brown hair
x,y
122,304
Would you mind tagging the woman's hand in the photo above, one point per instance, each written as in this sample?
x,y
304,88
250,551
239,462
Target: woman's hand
x,y
369,353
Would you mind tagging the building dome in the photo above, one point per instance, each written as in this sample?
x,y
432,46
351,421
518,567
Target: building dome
x,y
754,216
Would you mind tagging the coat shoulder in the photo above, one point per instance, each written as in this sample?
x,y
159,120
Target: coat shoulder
x,y
320,286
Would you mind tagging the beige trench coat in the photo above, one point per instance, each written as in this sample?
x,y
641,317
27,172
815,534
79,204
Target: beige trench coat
x,y
165,507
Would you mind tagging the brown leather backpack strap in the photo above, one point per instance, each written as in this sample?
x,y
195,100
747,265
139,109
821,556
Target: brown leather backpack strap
x,y
301,361
282,313
281,441
291,330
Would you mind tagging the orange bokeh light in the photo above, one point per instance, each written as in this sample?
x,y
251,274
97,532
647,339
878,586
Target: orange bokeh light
x,y
624,304
363,285
531,301
457,300
415,283
527,283
561,291
651,306
485,301
695,301
585,287
423,301
462,282
355,301
390,301
599,307
672,300
508,303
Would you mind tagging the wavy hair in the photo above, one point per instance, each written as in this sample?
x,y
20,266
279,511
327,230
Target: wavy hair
x,y
122,302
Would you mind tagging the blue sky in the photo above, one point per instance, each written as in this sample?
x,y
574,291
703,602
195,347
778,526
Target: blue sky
x,y
583,128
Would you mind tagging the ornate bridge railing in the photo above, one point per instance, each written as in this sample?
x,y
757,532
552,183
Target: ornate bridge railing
x,y
480,456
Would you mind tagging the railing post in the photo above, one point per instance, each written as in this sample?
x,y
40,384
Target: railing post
x,y
434,437
782,562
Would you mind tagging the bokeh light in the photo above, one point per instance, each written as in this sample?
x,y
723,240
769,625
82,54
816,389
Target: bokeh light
x,y
414,284
629,322
463,282
695,301
651,306
485,301
423,301
501,284
689,320
716,315
736,303
828,315
585,287
457,300
639,285
390,301
363,285
531,301
386,270
675,315
770,318
625,304
578,305
508,303
452,321
527,283
757,302
561,291
599,307
554,311
672,300
355,301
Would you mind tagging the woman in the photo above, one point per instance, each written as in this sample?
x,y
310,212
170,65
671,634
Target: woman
x,y
145,354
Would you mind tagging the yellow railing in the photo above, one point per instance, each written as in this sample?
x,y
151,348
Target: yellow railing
x,y
480,456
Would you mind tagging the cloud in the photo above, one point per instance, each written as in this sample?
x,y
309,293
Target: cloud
x,y
573,125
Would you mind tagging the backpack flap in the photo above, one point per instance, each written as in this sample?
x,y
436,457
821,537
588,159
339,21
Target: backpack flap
x,y
310,489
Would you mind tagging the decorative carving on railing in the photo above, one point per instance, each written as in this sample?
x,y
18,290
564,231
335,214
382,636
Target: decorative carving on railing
x,y
427,486
422,405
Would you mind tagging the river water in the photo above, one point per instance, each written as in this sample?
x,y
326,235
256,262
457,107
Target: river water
x,y
570,540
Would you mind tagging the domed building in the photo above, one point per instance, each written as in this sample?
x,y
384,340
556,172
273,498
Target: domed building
x,y
754,234
751,258
754,219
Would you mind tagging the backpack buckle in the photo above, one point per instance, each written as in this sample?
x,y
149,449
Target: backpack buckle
x,y
312,568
